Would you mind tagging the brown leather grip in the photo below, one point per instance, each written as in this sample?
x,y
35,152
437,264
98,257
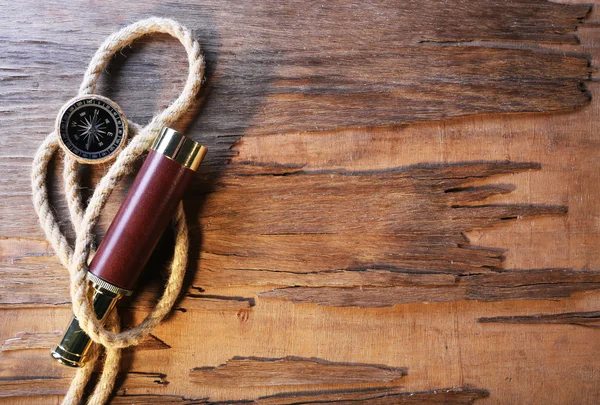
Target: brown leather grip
x,y
141,220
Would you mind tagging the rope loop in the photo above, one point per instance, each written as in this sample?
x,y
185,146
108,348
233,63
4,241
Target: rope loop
x,y
83,219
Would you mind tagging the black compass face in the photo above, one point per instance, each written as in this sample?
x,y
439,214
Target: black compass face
x,y
92,128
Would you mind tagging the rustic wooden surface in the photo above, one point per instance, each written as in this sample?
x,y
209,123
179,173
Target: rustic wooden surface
x,y
399,204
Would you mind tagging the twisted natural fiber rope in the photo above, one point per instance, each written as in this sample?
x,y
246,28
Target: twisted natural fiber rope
x,y
83,220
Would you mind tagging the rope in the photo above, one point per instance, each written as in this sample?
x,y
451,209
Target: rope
x,y
74,258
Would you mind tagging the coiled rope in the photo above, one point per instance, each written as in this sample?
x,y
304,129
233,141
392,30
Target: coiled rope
x,y
83,219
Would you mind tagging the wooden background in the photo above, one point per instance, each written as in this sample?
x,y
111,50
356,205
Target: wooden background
x,y
400,203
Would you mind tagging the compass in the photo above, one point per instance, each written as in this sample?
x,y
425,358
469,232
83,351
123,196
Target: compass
x,y
92,129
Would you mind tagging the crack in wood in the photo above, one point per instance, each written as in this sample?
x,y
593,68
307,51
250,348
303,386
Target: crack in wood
x,y
292,371
133,381
245,301
589,319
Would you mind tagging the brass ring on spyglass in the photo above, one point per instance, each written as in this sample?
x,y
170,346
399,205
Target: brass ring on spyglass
x,y
91,128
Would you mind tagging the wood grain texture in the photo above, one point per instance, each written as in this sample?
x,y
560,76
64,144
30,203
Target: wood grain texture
x,y
343,238
18,386
341,214
27,340
382,396
456,396
523,285
270,71
296,371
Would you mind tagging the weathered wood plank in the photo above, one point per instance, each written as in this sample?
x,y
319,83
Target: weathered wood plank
x,y
340,230
382,23
407,219
48,340
368,287
428,333
270,71
27,340
292,371
131,382
156,399
455,395
515,285
22,386
384,396
296,92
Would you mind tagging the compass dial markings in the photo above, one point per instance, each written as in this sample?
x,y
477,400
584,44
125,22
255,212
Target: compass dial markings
x,y
92,129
